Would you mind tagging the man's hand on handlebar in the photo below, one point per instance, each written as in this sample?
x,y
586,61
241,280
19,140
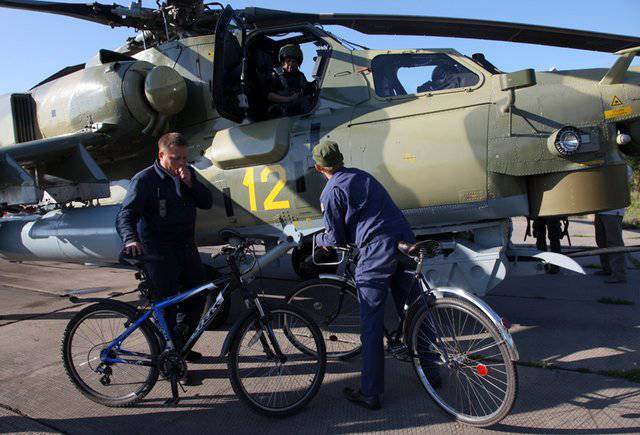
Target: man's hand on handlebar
x,y
134,249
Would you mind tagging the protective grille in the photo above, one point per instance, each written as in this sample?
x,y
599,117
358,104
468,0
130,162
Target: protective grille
x,y
24,117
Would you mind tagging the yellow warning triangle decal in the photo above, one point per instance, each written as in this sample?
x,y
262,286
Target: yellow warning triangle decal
x,y
616,101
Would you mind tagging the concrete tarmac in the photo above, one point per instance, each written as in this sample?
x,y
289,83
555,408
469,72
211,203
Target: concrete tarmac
x,y
579,360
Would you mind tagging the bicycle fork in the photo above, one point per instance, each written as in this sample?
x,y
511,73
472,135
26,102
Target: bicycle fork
x,y
270,341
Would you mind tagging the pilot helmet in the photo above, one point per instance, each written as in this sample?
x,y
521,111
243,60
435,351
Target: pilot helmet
x,y
290,50
442,72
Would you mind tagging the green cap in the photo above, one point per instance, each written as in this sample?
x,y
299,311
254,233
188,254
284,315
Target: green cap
x,y
327,154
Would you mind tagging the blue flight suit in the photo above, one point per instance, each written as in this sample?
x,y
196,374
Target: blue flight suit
x,y
159,211
357,209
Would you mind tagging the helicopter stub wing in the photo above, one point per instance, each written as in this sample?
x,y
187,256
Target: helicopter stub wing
x,y
60,166
451,27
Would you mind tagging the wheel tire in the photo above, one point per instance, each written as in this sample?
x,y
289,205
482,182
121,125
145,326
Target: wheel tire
x,y
67,358
298,292
232,362
510,368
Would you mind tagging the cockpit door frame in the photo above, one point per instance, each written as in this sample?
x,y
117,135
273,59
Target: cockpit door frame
x,y
218,82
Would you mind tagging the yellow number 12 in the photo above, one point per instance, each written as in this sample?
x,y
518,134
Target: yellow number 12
x,y
270,202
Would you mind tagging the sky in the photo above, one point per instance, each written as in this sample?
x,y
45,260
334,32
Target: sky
x,y
36,45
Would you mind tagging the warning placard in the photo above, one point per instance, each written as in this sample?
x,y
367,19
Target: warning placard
x,y
616,101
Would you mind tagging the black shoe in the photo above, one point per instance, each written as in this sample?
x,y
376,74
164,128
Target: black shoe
x,y
602,273
189,379
369,402
193,356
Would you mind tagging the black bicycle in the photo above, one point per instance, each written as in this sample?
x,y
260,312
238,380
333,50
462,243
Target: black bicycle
x,y
459,347
114,353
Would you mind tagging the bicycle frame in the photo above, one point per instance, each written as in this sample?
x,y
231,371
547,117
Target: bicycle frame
x,y
157,310
235,280
347,278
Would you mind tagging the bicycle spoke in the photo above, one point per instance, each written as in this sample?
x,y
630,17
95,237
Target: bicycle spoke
x,y
272,383
476,375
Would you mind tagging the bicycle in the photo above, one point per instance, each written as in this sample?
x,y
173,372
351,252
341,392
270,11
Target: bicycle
x,y
459,347
114,353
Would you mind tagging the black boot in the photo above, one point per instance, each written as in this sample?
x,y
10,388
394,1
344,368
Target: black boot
x,y
369,402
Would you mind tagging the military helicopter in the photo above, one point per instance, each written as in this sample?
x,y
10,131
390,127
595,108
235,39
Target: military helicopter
x,y
460,145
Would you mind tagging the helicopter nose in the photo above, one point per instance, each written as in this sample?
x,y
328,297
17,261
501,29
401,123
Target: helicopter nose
x,y
166,90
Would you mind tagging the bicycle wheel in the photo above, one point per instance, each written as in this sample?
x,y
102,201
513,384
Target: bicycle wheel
x,y
267,384
334,307
87,334
455,345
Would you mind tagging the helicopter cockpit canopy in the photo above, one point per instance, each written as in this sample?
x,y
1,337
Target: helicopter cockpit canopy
x,y
412,73
245,63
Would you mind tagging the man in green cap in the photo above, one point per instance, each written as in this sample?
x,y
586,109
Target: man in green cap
x,y
289,91
358,210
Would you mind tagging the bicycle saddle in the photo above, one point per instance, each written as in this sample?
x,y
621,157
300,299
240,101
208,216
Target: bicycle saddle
x,y
428,248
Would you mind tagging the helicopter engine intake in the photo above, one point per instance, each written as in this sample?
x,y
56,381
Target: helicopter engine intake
x,y
128,96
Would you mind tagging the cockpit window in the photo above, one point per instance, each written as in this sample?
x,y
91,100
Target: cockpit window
x,y
407,74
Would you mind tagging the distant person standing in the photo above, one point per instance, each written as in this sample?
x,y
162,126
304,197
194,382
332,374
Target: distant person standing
x,y
609,235
548,226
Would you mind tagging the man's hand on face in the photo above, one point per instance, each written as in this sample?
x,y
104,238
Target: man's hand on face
x,y
185,176
134,249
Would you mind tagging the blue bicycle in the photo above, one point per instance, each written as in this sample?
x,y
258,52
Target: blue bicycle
x,y
114,352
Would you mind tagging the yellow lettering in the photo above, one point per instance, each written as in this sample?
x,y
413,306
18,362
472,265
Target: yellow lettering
x,y
251,186
270,203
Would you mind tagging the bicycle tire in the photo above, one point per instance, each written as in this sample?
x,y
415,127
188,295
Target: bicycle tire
x,y
342,332
69,361
492,376
237,368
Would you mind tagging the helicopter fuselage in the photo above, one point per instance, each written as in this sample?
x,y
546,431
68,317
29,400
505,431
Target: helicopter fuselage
x,y
461,154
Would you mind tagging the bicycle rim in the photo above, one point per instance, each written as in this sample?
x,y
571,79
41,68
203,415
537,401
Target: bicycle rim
x,y
469,357
267,385
86,336
336,311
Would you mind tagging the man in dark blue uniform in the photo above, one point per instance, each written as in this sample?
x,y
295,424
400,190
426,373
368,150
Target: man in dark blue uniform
x,y
158,217
357,209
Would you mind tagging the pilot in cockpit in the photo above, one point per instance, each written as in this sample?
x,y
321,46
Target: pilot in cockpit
x,y
442,77
289,91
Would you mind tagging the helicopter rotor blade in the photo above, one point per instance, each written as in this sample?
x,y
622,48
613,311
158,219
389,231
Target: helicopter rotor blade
x,y
112,15
483,29
452,27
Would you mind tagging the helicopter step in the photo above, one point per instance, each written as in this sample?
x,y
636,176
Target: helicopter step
x,y
481,256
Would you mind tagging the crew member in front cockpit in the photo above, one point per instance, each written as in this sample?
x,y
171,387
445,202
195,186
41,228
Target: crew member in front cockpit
x,y
289,92
442,78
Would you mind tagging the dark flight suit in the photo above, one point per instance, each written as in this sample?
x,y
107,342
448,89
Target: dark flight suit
x,y
159,211
548,226
357,209
285,84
